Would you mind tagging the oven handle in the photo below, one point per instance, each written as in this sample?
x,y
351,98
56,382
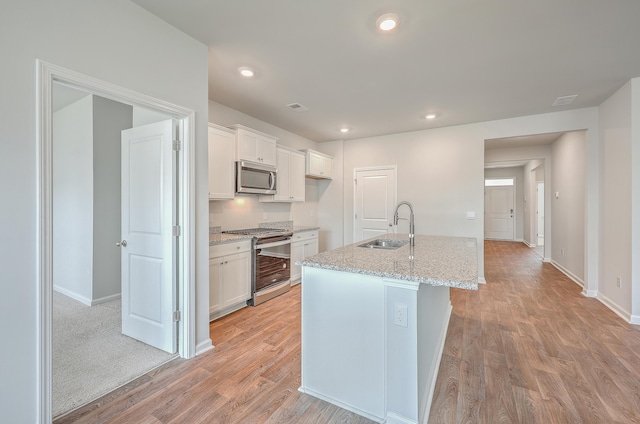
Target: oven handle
x,y
274,244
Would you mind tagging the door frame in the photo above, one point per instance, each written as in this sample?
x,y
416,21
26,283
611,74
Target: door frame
x,y
184,259
393,168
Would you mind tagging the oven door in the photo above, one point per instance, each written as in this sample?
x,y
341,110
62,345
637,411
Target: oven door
x,y
273,260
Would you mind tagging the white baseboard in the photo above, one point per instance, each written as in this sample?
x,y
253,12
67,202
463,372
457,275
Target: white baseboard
x,y
341,404
213,315
86,300
106,299
635,320
425,404
615,307
72,295
204,346
526,243
481,280
393,418
590,293
568,273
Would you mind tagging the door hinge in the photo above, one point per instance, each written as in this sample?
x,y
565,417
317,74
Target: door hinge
x,y
177,231
177,145
177,316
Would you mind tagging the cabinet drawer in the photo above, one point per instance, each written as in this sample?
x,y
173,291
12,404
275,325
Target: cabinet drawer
x,y
229,248
304,235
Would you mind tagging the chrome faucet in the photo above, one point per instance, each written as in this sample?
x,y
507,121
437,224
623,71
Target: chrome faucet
x,y
411,227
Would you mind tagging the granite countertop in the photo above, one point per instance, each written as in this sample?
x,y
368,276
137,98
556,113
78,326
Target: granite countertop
x,y
220,238
437,261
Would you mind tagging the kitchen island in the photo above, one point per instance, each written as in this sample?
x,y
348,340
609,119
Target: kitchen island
x,y
374,322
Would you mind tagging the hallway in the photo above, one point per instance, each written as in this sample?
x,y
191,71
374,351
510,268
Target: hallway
x,y
529,348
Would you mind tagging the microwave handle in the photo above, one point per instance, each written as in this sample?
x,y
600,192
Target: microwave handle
x,y
272,181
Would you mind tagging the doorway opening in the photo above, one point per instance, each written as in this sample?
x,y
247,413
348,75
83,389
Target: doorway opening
x,y
499,208
182,188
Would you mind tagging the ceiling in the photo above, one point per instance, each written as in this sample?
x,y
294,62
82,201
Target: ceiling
x,y
465,60
531,140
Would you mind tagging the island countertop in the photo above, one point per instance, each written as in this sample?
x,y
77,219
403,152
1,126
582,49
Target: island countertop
x,y
436,260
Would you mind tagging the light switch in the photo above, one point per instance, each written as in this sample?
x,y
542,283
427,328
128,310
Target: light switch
x,y
471,215
557,195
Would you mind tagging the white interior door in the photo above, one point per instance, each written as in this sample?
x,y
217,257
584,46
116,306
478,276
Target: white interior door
x,y
499,212
148,277
375,201
540,212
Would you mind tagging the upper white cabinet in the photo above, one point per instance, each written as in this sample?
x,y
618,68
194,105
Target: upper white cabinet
x,y
290,182
254,146
318,165
222,154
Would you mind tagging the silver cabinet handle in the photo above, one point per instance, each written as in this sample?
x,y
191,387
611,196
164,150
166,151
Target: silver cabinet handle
x,y
122,243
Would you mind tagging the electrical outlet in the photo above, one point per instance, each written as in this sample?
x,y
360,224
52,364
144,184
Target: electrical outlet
x,y
619,282
400,315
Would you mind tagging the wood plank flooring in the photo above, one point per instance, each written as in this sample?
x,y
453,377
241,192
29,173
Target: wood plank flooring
x,y
526,348
529,348
252,376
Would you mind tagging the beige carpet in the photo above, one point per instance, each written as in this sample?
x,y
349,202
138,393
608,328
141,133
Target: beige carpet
x,y
91,357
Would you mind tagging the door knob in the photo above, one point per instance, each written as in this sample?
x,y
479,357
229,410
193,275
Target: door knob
x,y
122,243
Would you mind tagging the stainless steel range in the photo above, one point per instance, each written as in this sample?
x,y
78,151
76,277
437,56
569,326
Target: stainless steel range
x,y
271,269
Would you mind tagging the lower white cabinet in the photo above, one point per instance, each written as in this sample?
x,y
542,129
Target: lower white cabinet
x,y
303,244
229,277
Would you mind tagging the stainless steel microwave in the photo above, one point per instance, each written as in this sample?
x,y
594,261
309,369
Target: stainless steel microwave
x,y
255,178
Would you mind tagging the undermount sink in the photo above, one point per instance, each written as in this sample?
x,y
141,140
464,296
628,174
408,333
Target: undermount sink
x,y
384,244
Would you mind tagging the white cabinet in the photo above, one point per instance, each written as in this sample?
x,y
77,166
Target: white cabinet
x,y
229,277
303,244
318,165
290,182
254,146
222,155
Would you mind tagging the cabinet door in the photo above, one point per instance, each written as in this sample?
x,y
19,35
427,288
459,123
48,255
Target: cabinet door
x,y
327,167
215,275
247,146
311,247
236,280
222,153
315,163
283,189
266,149
296,177
297,253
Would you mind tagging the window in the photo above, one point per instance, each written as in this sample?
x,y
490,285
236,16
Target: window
x,y
498,182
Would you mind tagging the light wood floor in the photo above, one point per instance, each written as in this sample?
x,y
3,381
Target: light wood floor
x,y
529,348
526,348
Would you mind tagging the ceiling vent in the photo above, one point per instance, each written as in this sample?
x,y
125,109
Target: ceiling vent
x,y
564,100
297,107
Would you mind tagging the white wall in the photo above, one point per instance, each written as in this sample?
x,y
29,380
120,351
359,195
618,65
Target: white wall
x,y
115,41
109,119
73,199
331,199
517,173
568,179
86,198
246,211
441,172
615,132
534,171
537,157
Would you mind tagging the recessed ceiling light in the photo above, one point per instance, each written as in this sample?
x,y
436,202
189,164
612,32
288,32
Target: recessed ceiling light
x,y
246,72
430,116
344,130
387,22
